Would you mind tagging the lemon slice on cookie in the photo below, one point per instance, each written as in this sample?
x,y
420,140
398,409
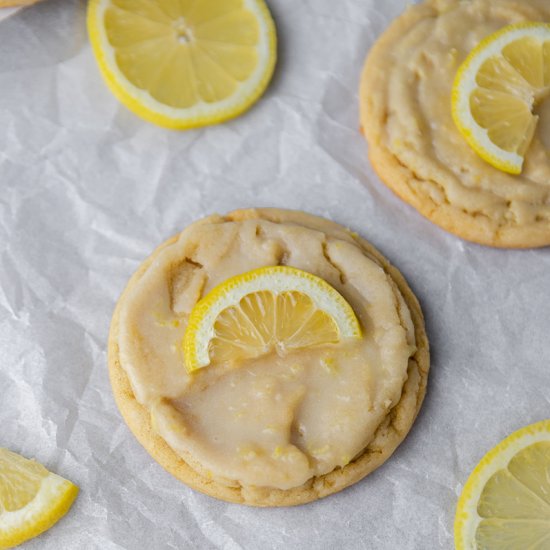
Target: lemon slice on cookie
x,y
184,64
32,499
506,500
497,90
272,308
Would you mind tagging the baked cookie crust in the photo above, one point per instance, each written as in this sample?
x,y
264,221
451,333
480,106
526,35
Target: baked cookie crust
x,y
388,436
414,145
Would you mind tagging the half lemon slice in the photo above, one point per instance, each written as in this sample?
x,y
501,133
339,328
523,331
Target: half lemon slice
x,y
268,309
497,89
31,498
505,503
184,63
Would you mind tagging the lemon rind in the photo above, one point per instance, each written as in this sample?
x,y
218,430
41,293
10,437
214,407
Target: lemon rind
x,y
505,161
276,279
137,100
51,503
497,458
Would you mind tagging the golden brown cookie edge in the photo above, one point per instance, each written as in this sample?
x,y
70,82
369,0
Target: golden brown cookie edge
x,y
401,180
389,435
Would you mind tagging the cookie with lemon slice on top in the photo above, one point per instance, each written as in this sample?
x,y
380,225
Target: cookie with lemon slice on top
x,y
268,357
455,106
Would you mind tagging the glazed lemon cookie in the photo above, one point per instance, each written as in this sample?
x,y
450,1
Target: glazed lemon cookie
x,y
268,357
414,144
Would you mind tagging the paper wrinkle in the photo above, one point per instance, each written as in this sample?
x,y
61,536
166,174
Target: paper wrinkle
x,y
89,190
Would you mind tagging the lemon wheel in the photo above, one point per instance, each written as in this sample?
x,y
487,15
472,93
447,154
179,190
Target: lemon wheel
x,y
505,504
184,63
498,88
269,309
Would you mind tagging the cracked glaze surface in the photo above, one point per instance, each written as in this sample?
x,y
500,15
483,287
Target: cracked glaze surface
x,y
414,144
272,421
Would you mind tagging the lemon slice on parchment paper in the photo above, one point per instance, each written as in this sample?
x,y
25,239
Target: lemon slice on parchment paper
x,y
32,499
505,504
272,308
497,90
184,63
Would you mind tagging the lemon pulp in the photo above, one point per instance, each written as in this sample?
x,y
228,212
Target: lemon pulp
x,y
268,309
505,503
515,502
497,90
32,499
184,63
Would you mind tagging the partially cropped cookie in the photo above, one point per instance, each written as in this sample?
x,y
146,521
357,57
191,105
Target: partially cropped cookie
x,y
414,144
308,412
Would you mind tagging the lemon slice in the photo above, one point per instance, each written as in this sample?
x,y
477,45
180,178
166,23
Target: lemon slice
x,y
497,89
184,63
505,503
268,309
31,498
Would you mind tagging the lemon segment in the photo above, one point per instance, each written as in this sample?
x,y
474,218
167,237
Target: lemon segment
x,y
498,88
32,499
183,64
268,309
505,503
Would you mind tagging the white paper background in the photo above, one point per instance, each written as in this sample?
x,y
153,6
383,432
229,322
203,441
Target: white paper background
x,y
87,190
6,12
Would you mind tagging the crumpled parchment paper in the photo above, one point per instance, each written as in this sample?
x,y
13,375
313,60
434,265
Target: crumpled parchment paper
x,y
87,191
7,12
